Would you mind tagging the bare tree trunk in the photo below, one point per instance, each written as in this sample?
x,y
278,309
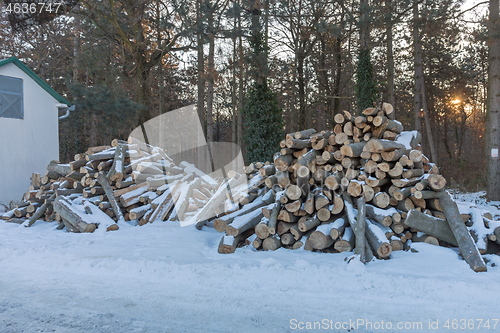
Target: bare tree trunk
x,y
293,106
420,96
427,122
364,27
234,134
211,75
94,134
418,63
390,56
201,78
201,67
241,85
76,48
302,91
266,34
337,48
160,65
142,80
326,116
445,137
492,130
338,74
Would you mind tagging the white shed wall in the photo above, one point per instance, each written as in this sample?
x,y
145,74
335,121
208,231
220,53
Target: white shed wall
x,y
27,145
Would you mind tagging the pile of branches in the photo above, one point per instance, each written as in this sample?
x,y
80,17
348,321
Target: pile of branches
x,y
364,186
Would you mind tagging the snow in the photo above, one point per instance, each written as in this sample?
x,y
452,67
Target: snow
x,y
135,193
159,200
128,179
148,158
355,266
184,190
168,179
405,138
251,239
478,224
248,206
164,278
338,223
348,233
358,181
140,209
241,220
376,231
325,228
254,181
150,195
420,234
264,220
118,164
267,196
384,229
191,169
104,152
228,240
383,212
229,205
351,212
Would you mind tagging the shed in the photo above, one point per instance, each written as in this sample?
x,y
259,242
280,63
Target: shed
x,y
29,131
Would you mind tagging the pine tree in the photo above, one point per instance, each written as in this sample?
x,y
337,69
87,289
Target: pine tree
x,y
366,90
264,124
263,120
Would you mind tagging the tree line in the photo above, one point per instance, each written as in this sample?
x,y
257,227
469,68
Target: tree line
x,y
124,62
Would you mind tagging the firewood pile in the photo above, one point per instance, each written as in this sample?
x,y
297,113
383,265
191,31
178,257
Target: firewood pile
x,y
127,181
364,186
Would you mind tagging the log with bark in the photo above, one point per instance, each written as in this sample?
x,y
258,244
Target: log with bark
x,y
468,248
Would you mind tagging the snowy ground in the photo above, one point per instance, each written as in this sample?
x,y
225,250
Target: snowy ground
x,y
164,278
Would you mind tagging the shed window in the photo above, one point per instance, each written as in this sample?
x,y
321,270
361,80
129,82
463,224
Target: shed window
x,y
11,97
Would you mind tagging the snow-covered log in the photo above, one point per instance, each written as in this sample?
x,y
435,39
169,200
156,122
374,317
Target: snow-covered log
x,y
466,244
74,220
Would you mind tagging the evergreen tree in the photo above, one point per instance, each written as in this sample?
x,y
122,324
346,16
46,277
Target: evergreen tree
x,y
103,113
263,120
264,124
366,90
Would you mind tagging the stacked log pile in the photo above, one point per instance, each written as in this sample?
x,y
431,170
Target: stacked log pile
x,y
363,186
128,181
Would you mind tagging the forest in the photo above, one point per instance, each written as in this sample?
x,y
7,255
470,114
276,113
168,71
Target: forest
x,y
125,62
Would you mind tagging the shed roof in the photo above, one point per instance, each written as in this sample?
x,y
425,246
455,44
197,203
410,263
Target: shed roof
x,y
35,78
